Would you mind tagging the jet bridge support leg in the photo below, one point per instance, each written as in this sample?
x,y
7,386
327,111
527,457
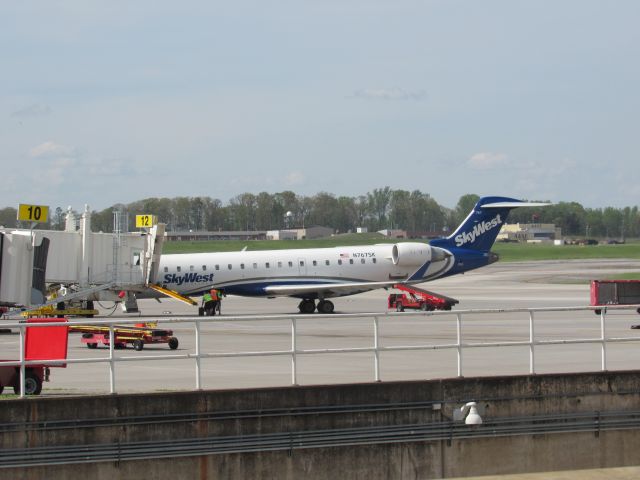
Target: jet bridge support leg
x,y
130,303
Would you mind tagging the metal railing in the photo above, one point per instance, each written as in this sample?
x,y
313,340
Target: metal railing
x,y
294,351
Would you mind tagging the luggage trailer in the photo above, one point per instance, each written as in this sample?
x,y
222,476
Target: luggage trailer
x,y
138,336
614,292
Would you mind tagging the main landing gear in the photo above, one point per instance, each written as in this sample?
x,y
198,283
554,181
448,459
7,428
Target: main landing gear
x,y
309,306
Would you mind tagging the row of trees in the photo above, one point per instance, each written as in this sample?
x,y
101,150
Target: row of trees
x,y
382,208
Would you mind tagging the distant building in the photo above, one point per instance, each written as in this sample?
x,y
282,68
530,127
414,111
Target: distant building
x,y
281,235
362,230
310,233
288,234
220,235
389,233
529,232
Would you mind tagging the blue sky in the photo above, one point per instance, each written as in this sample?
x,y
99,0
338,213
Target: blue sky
x,y
107,102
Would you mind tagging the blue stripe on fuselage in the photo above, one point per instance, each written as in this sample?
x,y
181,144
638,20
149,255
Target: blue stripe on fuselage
x,y
420,272
258,288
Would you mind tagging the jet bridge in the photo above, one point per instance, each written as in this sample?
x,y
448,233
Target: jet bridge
x,y
83,264
23,259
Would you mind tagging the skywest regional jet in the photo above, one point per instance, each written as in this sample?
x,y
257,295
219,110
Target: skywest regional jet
x,y
321,273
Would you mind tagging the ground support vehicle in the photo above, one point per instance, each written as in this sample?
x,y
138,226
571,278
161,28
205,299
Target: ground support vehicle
x,y
84,309
418,299
92,335
33,378
41,343
614,292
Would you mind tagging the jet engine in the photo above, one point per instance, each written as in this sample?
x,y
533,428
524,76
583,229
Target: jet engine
x,y
408,254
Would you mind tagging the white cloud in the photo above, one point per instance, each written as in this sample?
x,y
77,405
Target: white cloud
x,y
108,167
563,166
394,93
50,149
58,170
34,110
54,164
487,160
294,178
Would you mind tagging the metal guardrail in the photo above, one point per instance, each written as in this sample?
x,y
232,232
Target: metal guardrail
x,y
595,422
212,416
294,351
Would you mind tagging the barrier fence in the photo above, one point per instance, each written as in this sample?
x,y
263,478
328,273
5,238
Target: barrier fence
x,y
376,348
595,422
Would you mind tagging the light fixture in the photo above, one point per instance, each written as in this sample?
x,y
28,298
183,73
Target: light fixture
x,y
470,414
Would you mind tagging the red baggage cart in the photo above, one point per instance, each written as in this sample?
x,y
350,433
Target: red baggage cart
x,y
614,292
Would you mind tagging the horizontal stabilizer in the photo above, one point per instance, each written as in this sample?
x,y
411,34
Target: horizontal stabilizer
x,y
515,204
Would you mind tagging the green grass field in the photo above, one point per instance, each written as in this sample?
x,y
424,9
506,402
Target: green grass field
x,y
516,252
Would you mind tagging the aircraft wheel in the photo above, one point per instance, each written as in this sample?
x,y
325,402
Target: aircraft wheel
x,y
325,306
307,306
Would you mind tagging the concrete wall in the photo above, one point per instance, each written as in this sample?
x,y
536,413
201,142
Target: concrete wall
x,y
500,397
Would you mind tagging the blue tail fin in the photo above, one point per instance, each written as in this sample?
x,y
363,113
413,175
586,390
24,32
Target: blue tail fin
x,y
481,227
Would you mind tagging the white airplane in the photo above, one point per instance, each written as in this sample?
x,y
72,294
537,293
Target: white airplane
x,y
315,275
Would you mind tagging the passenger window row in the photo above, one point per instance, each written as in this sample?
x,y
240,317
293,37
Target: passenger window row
x,y
192,268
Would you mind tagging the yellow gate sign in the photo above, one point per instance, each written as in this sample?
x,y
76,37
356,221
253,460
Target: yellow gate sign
x,y
146,221
33,213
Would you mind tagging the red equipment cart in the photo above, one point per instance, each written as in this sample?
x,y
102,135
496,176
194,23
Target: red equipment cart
x,y
41,343
418,299
614,292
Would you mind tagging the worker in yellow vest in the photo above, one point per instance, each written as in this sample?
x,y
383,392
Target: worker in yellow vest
x,y
208,303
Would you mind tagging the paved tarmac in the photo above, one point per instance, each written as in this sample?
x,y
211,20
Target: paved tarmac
x,y
498,286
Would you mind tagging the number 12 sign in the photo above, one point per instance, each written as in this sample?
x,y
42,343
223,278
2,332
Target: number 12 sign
x,y
145,221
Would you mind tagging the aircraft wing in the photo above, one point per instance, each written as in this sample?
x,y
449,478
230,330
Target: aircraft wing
x,y
327,290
